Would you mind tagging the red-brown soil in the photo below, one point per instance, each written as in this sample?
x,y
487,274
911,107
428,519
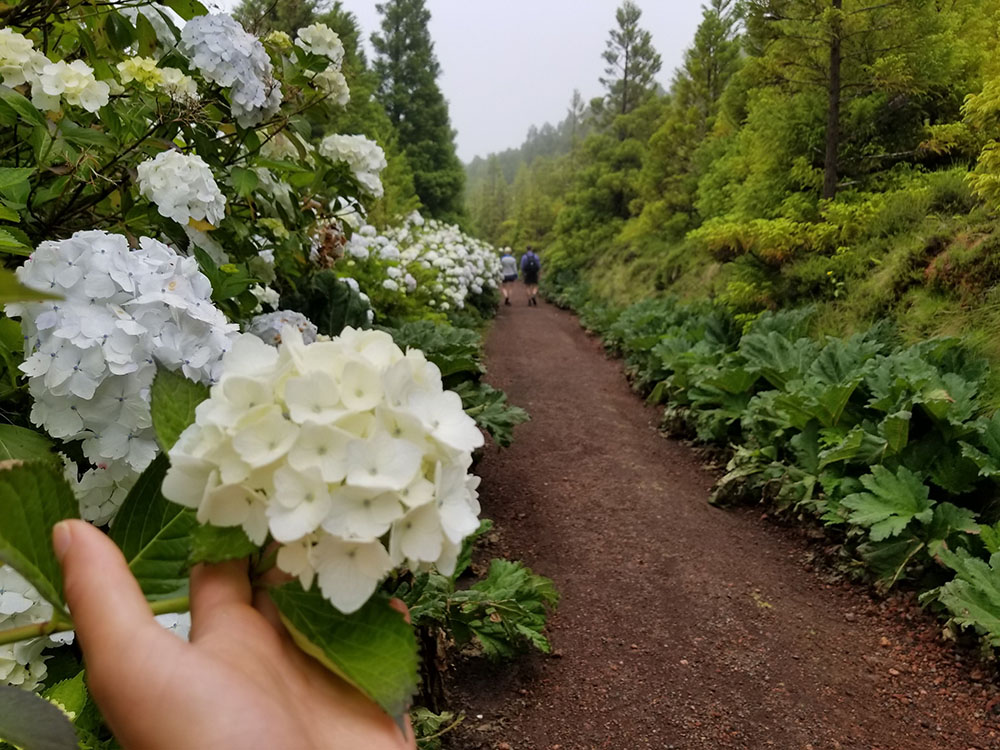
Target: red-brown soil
x,y
681,625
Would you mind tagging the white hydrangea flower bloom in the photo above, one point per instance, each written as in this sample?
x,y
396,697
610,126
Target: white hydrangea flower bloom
x,y
348,451
265,296
320,39
463,265
182,187
269,326
91,356
23,664
365,158
332,83
178,86
20,62
74,82
225,54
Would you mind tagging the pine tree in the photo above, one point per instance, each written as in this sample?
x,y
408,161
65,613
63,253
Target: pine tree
x,y
408,71
632,63
847,50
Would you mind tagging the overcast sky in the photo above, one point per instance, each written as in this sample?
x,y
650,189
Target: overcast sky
x,y
510,64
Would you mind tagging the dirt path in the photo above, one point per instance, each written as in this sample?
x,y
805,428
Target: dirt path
x,y
681,626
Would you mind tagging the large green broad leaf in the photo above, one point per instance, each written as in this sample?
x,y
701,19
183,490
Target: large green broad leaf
x,y
34,497
374,648
155,535
174,401
891,502
30,722
215,544
973,598
23,444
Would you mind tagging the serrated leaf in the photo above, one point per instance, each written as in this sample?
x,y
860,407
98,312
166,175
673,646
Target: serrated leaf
x,y
174,399
13,246
29,722
69,695
34,497
155,534
891,502
373,649
215,544
25,445
973,598
11,176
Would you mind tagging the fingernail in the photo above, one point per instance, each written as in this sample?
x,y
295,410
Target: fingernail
x,y
62,535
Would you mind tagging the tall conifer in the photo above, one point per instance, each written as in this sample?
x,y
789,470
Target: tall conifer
x,y
408,71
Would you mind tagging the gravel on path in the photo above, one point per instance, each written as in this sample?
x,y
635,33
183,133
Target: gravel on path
x,y
681,625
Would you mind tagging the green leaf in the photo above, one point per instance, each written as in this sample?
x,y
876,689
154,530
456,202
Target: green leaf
x,y
186,9
25,445
11,176
9,214
10,244
146,35
34,497
69,695
29,722
244,180
891,502
374,649
330,304
174,399
155,535
215,544
489,407
973,598
896,430
12,290
22,106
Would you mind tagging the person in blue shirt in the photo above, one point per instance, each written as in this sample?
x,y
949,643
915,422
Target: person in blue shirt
x,y
531,266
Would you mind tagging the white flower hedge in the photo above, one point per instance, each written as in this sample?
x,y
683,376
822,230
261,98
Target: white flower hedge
x,y
161,178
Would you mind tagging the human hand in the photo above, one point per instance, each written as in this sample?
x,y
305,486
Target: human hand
x,y
240,682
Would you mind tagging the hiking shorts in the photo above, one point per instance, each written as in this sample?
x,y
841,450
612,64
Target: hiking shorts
x,y
509,278
531,278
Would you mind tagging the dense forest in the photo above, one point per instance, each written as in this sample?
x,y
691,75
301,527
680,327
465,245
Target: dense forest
x,y
840,153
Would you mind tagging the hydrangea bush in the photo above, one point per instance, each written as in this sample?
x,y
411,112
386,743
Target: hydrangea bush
x,y
167,198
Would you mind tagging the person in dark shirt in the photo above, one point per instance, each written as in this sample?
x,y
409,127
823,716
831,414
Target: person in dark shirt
x,y
531,266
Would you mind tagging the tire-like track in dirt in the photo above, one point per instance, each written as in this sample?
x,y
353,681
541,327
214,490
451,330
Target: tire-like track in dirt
x,y
681,625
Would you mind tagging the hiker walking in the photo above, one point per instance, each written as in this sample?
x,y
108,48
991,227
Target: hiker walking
x,y
530,267
508,266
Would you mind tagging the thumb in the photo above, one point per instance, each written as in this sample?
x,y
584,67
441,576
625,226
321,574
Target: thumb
x,y
106,603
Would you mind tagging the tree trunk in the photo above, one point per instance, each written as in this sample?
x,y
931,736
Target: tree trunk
x,y
830,171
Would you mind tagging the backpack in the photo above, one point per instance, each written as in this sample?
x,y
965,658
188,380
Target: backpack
x,y
532,265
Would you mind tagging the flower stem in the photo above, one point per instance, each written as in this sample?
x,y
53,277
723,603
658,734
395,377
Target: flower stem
x,y
60,625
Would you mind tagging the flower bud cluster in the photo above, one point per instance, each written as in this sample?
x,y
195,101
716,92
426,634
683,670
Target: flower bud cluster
x,y
183,187
171,81
347,452
225,54
365,158
91,356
